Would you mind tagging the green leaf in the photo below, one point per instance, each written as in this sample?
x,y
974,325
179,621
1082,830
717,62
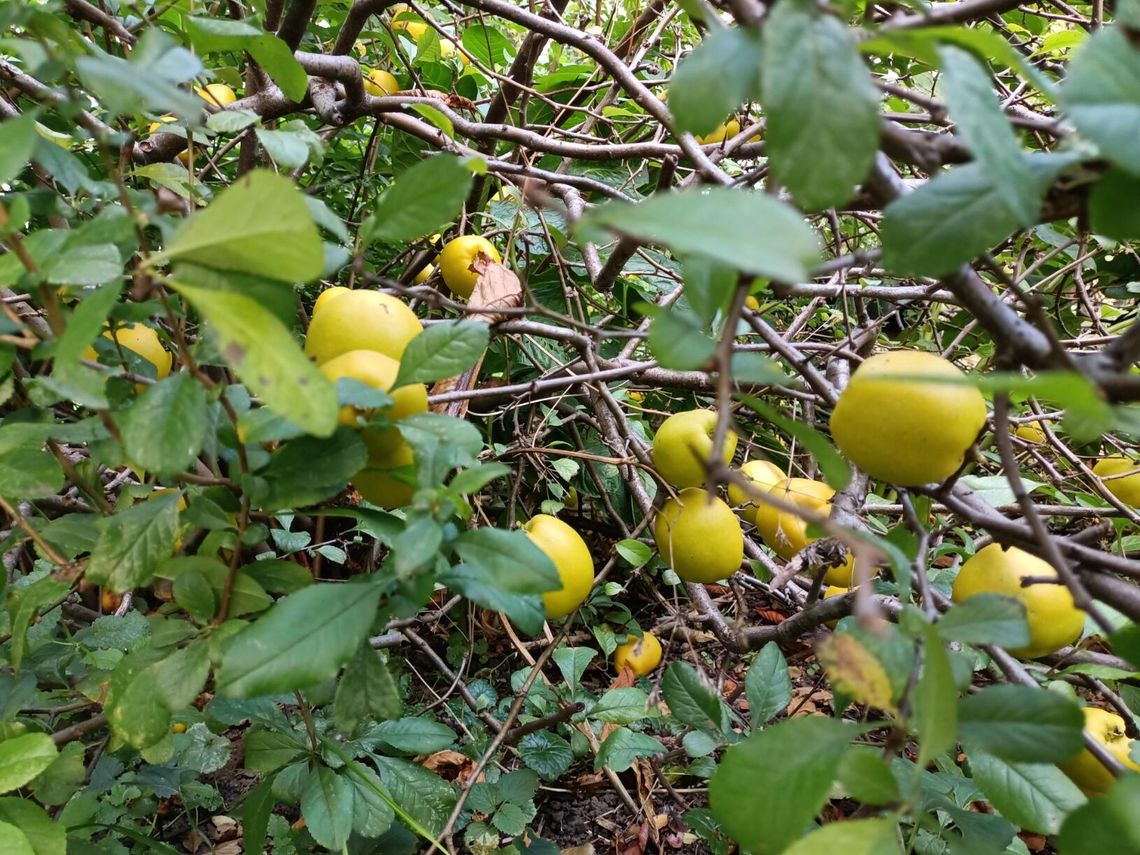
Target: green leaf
x,y
148,81
85,264
867,777
14,841
166,428
1101,94
623,746
421,794
308,470
852,837
708,286
23,757
573,662
326,805
270,750
256,808
546,753
366,690
372,815
299,642
202,750
1112,205
793,764
634,552
424,199
991,139
525,610
691,699
509,560
623,706
767,685
746,230
265,355
1020,723
413,735
1033,796
85,323
715,79
818,97
17,142
200,582
955,217
442,350
678,341
835,469
27,472
133,542
46,836
935,701
219,35
1106,824
259,225
986,619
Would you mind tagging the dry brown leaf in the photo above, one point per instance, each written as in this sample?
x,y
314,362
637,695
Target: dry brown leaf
x,y
496,288
450,765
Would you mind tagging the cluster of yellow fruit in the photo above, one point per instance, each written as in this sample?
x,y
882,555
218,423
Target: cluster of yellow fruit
x,y
362,335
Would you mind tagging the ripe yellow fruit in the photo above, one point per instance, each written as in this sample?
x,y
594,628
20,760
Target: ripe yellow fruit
x,y
379,372
1054,620
1030,432
217,94
699,537
456,258
1086,771
424,275
328,295
900,421
786,533
1121,477
639,655
571,558
178,727
752,303
763,475
142,340
683,447
361,320
380,82
721,133
377,484
415,29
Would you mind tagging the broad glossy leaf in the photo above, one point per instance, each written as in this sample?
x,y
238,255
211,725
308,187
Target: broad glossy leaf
x,y
265,355
746,230
1034,796
166,428
1021,724
819,98
767,685
623,746
259,225
715,79
326,805
24,757
132,542
442,350
220,35
1102,95
792,764
853,837
302,640
691,699
424,199
986,619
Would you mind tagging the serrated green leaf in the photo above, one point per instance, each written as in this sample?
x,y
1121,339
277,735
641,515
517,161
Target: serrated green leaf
x,y
1101,95
767,685
132,542
623,706
326,805
986,619
308,470
220,35
424,198
623,746
1021,724
1033,796
166,428
442,350
691,699
24,757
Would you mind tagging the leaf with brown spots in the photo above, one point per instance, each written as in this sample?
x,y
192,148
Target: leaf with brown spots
x,y
854,671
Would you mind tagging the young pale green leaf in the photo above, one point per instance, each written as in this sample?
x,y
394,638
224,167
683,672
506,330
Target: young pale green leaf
x,y
1034,796
854,837
17,142
691,699
746,230
1021,724
424,199
819,98
326,805
23,757
935,718
1101,94
716,78
982,123
220,35
623,706
259,225
623,746
792,764
835,469
986,619
166,428
442,350
302,640
133,542
767,685
46,836
264,353
955,217
1106,824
